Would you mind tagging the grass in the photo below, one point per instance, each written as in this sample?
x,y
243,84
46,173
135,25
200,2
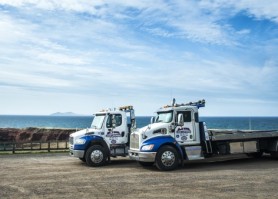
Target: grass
x,y
33,152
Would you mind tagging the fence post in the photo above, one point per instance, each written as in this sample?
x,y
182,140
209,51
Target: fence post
x,y
13,148
48,146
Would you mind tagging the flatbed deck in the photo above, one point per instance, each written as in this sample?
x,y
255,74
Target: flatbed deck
x,y
222,135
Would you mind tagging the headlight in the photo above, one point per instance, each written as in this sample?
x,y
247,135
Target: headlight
x,y
147,147
80,141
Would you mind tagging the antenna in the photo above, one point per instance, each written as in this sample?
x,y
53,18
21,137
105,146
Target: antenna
x,y
174,102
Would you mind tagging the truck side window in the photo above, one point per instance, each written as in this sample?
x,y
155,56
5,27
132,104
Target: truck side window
x,y
196,115
186,116
118,118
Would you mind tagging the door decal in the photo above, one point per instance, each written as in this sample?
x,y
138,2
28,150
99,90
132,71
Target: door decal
x,y
113,134
182,133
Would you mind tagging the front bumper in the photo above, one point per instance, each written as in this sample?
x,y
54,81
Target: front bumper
x,y
77,153
142,156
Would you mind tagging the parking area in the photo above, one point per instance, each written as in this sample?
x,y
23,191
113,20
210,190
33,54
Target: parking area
x,y
56,175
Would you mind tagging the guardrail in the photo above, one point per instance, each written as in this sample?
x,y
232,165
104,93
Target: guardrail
x,y
34,146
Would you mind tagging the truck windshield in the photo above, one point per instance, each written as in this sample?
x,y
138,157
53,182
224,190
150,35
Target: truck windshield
x,y
164,117
98,121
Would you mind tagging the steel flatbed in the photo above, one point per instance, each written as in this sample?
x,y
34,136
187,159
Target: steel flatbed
x,y
222,135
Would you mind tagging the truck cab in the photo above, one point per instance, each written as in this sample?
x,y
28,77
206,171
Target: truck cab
x,y
182,123
107,137
173,132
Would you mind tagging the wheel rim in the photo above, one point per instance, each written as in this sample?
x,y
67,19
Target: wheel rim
x,y
96,156
168,158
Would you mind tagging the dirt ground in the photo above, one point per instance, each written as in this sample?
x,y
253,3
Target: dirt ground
x,y
60,176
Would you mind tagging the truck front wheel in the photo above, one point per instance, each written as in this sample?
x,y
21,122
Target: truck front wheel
x,y
96,156
167,158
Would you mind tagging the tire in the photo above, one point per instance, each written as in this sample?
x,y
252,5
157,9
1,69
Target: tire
x,y
96,156
82,159
167,158
146,164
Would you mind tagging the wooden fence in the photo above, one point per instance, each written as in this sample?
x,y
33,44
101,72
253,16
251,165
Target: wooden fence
x,y
34,146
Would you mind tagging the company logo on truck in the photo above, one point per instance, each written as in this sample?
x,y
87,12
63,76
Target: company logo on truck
x,y
182,133
113,134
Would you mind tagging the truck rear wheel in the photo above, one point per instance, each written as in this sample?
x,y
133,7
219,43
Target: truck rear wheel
x,y
167,158
96,156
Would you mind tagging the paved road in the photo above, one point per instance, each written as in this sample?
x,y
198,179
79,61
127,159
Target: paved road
x,y
60,176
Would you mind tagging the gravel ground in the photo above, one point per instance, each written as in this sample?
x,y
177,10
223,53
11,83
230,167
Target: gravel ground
x,y
60,176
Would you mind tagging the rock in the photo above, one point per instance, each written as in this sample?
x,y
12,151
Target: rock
x,y
34,134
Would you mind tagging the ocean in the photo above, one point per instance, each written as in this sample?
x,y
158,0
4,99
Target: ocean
x,y
241,123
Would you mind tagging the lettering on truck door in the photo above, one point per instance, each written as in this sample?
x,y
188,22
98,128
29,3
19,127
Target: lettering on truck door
x,y
185,133
114,134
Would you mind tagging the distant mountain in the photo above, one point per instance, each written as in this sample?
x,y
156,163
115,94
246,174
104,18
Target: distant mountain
x,y
64,114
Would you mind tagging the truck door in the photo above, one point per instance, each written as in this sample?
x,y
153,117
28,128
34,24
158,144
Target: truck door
x,y
115,134
186,132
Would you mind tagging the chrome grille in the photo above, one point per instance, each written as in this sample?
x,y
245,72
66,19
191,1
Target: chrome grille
x,y
134,141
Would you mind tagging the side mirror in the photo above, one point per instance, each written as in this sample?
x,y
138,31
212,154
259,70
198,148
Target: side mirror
x,y
152,120
180,120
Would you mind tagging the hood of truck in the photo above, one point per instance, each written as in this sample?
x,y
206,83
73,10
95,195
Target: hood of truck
x,y
82,132
79,133
153,127
153,130
145,133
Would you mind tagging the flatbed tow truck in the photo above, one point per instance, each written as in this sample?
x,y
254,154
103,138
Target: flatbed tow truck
x,y
107,137
176,135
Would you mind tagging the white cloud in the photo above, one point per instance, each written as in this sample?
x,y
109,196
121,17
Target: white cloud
x,y
197,21
134,50
11,32
260,9
255,8
243,32
68,5
55,58
176,19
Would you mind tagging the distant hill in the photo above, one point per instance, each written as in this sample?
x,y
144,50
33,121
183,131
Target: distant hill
x,y
64,114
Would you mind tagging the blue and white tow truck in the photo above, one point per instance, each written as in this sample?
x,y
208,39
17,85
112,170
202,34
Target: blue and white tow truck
x,y
107,137
176,135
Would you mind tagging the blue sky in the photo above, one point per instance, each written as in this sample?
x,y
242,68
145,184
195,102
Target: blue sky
x,y
83,56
